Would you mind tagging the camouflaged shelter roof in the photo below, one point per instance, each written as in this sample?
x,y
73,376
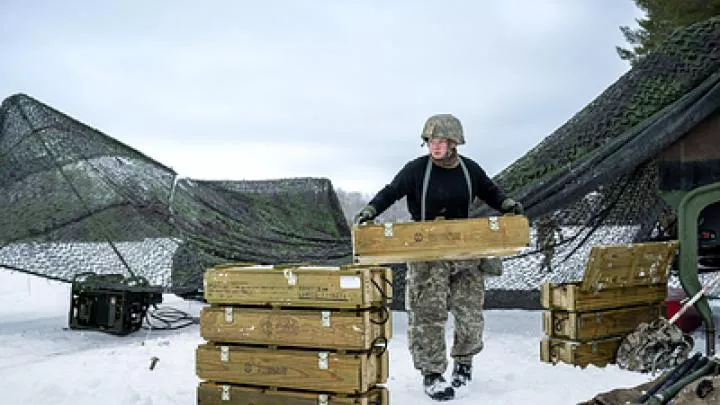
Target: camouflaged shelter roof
x,y
659,100
65,183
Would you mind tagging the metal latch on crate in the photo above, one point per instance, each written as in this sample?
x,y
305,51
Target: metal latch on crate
x,y
325,319
323,360
493,222
225,353
225,393
228,314
388,228
323,399
290,277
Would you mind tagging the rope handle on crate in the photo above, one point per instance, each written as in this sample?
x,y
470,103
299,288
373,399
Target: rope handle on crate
x,y
380,290
553,352
384,316
384,307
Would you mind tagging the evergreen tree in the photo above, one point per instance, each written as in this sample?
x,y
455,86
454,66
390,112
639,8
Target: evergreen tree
x,y
662,17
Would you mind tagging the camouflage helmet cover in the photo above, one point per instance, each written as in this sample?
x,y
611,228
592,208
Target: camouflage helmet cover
x,y
443,126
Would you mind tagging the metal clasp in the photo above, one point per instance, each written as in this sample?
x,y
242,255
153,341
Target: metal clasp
x,y
225,393
228,314
388,229
494,225
224,354
325,319
323,360
290,277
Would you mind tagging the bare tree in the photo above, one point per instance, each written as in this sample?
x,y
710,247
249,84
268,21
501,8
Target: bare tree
x,y
353,201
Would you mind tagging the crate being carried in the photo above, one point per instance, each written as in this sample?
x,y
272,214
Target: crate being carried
x,y
295,334
455,239
622,286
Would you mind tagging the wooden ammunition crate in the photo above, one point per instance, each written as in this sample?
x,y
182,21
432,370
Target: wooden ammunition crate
x,y
456,239
570,297
310,370
615,277
331,329
223,394
585,326
599,352
299,286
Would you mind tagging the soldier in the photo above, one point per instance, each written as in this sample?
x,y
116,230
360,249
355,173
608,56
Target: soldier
x,y
443,183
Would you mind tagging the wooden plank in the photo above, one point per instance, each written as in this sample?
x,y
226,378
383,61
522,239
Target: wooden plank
x,y
599,352
546,295
457,239
570,297
384,368
618,266
348,373
299,286
210,393
350,330
587,326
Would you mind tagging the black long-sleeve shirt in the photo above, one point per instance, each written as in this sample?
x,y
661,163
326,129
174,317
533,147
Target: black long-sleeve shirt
x,y
447,191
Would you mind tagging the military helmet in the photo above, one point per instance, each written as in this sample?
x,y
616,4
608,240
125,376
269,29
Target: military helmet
x,y
443,126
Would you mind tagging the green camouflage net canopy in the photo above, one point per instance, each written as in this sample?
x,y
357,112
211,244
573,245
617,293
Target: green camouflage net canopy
x,y
75,200
597,179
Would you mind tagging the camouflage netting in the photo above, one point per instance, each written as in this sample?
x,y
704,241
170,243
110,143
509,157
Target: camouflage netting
x,y
595,179
75,200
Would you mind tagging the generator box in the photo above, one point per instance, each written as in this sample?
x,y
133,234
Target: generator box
x,y
110,303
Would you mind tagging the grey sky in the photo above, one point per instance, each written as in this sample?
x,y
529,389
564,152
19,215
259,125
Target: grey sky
x,y
338,89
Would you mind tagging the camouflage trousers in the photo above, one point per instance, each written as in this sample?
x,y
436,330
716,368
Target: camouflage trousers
x,y
433,289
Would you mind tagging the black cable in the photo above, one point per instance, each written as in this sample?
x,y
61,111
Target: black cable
x,y
169,318
677,373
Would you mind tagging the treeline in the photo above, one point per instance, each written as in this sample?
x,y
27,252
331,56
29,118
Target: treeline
x,y
353,201
662,18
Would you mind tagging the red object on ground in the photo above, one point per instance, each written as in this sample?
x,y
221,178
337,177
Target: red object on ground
x,y
690,320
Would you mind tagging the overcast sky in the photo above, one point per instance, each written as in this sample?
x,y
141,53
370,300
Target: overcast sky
x,y
338,89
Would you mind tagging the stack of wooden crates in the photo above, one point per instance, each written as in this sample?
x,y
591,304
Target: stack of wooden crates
x,y
295,335
623,285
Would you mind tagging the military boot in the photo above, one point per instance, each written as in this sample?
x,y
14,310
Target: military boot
x,y
437,388
461,376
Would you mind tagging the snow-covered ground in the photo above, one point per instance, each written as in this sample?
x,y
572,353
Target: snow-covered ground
x,y
42,362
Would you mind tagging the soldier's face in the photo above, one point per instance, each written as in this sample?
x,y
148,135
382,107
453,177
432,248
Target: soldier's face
x,y
438,147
